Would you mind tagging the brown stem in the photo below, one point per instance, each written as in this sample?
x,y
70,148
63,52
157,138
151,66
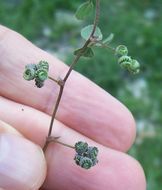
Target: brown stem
x,y
97,15
62,82
53,116
96,20
53,79
55,139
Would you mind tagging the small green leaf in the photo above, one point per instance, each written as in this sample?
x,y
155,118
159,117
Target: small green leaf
x,y
86,32
108,39
87,53
84,10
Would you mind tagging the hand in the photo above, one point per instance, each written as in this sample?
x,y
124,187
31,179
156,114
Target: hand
x,y
86,113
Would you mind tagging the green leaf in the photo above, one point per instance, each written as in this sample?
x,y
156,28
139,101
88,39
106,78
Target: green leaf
x,y
86,32
108,39
87,53
84,10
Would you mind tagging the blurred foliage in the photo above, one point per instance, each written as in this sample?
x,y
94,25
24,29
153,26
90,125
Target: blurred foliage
x,y
137,24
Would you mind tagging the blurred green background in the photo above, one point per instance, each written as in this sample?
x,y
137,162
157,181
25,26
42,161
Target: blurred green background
x,y
51,25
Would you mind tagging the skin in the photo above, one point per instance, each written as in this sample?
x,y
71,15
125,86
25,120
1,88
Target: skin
x,y
86,113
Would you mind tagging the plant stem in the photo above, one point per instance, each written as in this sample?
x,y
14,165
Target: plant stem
x,y
64,144
106,46
53,79
62,82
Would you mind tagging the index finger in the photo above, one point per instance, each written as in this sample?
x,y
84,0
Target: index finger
x,y
84,107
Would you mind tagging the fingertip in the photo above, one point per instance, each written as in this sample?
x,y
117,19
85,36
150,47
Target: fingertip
x,y
22,163
128,135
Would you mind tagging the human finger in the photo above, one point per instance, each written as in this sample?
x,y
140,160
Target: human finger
x,y
27,119
115,169
22,163
84,106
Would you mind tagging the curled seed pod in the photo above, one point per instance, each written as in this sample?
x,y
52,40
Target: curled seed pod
x,y
121,50
41,74
77,159
29,73
81,147
39,83
135,65
134,68
31,66
85,163
43,65
135,72
92,152
95,161
125,61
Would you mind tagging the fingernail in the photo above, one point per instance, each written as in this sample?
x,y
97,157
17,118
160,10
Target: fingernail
x,y
22,163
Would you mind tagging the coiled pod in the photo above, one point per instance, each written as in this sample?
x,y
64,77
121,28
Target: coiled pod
x,y
81,147
92,152
41,74
43,65
125,61
30,71
86,156
38,72
77,158
134,67
39,83
86,163
121,50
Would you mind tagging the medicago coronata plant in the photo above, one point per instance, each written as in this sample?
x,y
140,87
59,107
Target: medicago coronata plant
x,y
85,155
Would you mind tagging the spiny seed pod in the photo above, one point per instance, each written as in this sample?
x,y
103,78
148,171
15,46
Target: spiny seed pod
x,y
41,74
86,163
121,50
39,83
125,61
43,65
29,73
81,147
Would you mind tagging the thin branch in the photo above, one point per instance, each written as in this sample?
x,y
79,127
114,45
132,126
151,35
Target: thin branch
x,y
55,139
64,144
53,116
106,46
53,79
96,20
62,82
97,15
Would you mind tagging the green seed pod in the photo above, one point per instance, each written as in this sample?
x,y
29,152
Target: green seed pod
x,y
135,72
125,61
31,66
95,161
43,65
77,159
92,152
29,73
39,83
86,163
121,50
81,147
135,65
41,74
